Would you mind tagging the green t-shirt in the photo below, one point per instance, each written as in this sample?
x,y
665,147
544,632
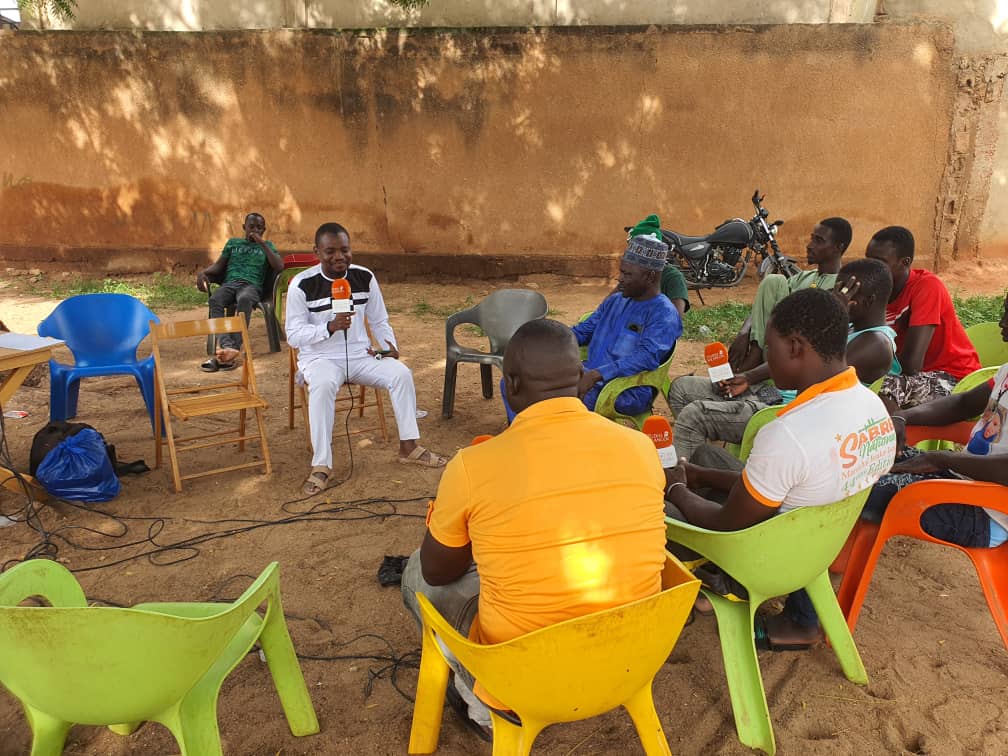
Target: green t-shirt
x,y
246,261
673,284
811,279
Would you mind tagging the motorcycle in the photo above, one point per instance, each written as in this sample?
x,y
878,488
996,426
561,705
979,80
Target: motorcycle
x,y
720,259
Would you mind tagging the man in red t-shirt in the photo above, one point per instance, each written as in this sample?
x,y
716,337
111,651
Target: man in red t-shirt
x,y
931,344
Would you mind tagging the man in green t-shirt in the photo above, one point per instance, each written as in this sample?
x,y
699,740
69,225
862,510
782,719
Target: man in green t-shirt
x,y
827,243
243,264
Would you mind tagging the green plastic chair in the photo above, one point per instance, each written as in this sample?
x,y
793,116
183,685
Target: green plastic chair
x,y
658,378
280,291
774,558
990,348
74,664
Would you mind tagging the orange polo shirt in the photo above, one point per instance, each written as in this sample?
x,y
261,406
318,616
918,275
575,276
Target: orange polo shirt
x,y
565,513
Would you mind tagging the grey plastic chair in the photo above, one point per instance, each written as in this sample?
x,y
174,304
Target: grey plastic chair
x,y
499,315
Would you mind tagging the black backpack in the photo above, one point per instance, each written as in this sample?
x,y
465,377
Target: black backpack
x,y
51,435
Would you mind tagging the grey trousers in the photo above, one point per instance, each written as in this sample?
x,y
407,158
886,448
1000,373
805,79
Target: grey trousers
x,y
702,415
458,603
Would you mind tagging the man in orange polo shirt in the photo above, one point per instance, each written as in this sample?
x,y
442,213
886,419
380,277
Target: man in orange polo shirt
x,y
557,517
830,442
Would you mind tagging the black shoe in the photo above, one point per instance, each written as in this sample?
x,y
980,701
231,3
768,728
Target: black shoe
x,y
391,570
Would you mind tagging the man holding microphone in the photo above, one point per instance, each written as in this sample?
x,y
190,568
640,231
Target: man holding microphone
x,y
334,347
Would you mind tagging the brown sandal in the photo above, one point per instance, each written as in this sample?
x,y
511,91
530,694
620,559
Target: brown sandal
x,y
423,457
317,481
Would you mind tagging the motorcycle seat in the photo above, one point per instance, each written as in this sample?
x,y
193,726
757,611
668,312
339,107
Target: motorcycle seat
x,y
681,240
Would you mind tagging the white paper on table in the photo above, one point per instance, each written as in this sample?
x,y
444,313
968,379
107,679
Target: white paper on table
x,y
24,342
720,373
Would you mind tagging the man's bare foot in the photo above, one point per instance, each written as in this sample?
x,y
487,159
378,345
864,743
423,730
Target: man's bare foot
x,y
227,355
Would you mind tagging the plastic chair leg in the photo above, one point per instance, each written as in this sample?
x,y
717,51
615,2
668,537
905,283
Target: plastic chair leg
x,y
833,624
57,395
448,395
194,724
851,593
286,672
745,684
994,582
48,733
272,326
486,378
641,709
432,683
127,728
146,384
511,740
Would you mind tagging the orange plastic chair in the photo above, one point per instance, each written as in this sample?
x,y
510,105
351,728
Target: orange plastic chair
x,y
902,518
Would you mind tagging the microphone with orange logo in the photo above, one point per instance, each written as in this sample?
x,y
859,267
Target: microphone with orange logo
x,y
342,302
657,428
716,357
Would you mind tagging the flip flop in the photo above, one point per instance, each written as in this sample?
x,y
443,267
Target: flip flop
x,y
417,457
210,366
764,643
317,481
227,365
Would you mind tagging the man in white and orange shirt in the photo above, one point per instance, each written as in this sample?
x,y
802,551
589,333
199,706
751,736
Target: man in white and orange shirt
x,y
557,517
832,441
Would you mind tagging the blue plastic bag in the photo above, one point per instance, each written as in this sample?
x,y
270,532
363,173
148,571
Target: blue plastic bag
x,y
79,469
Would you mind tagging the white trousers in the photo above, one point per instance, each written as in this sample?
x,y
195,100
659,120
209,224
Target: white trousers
x,y
326,376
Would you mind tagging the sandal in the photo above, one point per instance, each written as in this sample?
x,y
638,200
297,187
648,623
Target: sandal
x,y
316,482
764,643
213,365
424,457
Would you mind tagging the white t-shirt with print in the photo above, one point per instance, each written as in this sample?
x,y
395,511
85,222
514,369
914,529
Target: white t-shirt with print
x,y
834,440
988,435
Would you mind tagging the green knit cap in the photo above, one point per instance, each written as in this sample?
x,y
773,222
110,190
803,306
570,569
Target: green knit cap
x,y
650,226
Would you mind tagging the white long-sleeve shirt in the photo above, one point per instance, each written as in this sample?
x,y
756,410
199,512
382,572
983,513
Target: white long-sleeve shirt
x,y
309,309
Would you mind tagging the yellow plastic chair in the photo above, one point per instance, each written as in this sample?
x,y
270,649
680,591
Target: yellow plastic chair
x,y
773,558
990,348
564,673
69,663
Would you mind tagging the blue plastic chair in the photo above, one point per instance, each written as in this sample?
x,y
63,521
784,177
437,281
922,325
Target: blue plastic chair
x,y
103,331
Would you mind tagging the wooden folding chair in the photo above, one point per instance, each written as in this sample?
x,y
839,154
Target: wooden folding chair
x,y
198,401
297,398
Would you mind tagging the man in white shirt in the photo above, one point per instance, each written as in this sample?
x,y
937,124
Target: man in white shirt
x,y
335,347
830,442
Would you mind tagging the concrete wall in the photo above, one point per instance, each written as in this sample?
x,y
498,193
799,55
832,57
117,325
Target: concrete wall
x,y
193,15
142,151
973,202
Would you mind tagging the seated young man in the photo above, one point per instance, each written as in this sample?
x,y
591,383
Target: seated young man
x,y
243,263
808,456
706,411
985,458
827,243
931,343
335,348
632,331
577,528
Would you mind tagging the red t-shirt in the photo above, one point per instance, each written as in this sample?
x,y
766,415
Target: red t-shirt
x,y
925,301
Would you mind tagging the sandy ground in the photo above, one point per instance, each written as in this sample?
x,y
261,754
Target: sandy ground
x,y
937,666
